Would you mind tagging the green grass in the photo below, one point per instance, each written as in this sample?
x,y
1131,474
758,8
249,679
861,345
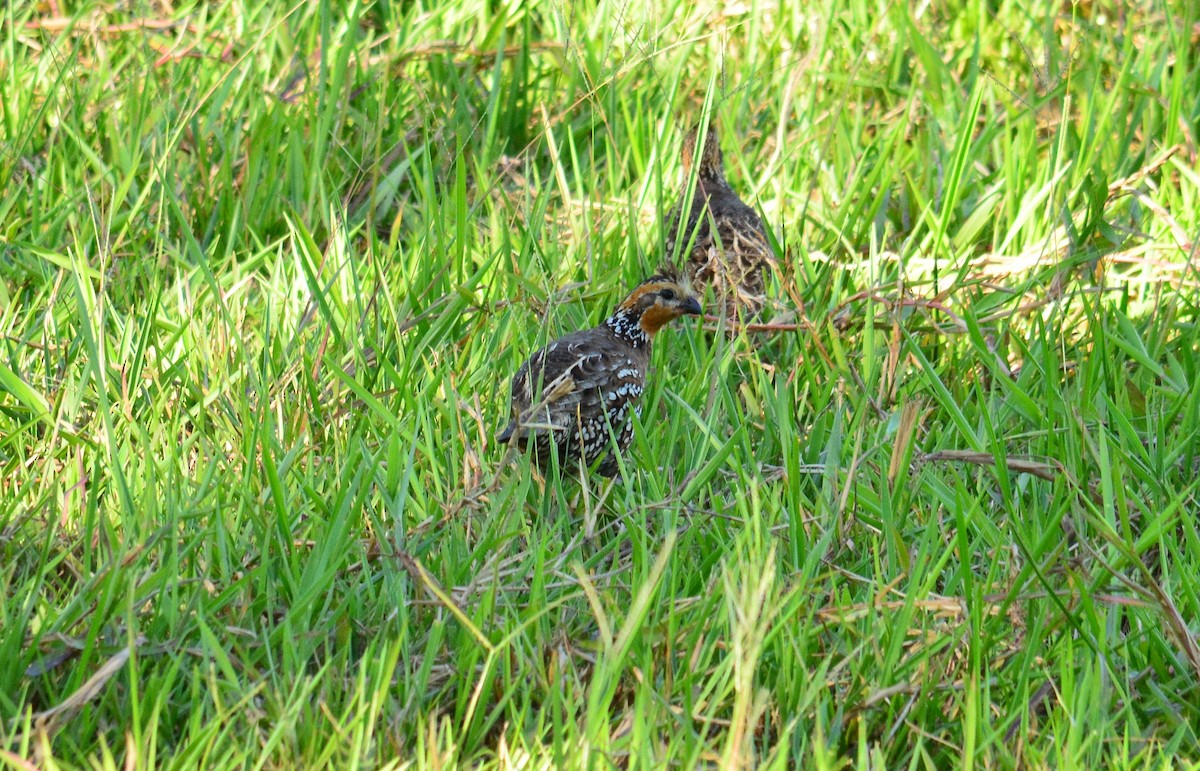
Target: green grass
x,y
265,273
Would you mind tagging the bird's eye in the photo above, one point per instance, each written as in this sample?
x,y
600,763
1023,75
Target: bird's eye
x,y
667,294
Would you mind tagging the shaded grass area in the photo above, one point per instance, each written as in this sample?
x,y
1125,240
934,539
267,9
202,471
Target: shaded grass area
x,y
266,272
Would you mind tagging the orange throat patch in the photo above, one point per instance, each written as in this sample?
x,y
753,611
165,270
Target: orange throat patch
x,y
655,318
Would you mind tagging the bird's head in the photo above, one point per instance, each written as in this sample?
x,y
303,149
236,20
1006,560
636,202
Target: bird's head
x,y
712,165
651,305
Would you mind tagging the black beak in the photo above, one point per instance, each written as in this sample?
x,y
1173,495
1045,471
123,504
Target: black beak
x,y
691,307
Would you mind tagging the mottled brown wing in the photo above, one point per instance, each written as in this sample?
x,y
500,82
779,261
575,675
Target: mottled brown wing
x,y
732,257
717,203
549,386
739,226
569,392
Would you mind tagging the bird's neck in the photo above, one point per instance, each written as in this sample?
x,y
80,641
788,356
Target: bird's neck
x,y
627,325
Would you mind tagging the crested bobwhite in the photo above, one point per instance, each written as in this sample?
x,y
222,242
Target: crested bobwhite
x,y
731,249
579,390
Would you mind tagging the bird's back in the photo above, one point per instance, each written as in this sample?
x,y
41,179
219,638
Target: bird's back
x,y
720,205
733,258
571,391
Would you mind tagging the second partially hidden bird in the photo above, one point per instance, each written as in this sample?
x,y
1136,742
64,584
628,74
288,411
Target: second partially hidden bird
x,y
580,392
730,251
